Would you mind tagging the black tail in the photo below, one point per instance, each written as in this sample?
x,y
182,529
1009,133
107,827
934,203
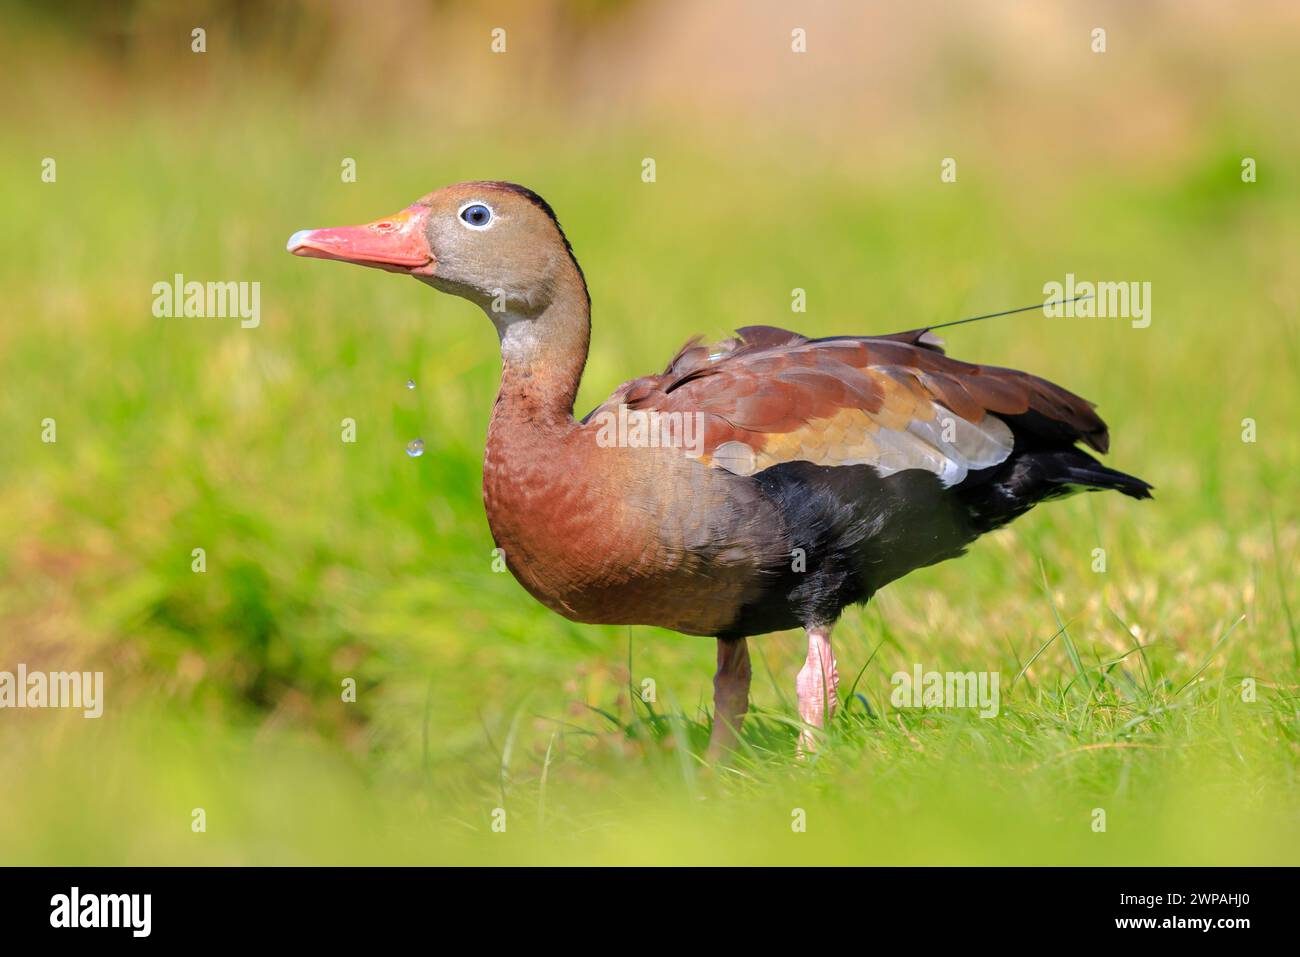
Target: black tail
x,y
1078,468
997,495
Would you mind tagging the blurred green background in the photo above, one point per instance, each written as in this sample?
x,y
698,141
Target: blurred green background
x,y
775,170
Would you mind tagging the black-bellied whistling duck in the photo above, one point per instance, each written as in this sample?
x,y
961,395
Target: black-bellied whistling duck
x,y
771,481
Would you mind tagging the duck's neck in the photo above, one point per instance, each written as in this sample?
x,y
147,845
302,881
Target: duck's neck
x,y
528,456
542,358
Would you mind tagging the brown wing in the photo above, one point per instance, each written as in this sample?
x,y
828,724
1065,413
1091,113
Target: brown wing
x,y
894,402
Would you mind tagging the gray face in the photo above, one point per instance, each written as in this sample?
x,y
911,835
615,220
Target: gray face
x,y
493,247
495,244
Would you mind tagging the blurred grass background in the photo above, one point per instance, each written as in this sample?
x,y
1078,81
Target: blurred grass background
x,y
775,170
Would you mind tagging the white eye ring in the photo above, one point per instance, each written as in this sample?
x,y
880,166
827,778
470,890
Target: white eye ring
x,y
485,224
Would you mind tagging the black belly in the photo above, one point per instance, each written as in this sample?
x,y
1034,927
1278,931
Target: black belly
x,y
857,531
860,530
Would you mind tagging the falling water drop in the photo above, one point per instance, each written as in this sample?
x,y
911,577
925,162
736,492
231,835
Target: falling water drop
x,y
415,448
410,383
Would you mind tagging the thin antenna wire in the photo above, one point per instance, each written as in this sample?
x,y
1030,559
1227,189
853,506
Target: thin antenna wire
x,y
1009,312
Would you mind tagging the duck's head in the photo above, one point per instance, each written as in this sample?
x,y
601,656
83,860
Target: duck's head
x,y
496,244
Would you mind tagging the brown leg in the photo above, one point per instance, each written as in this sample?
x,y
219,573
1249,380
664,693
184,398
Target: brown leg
x,y
730,695
817,686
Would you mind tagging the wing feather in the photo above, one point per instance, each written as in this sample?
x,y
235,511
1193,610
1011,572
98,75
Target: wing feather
x,y
770,396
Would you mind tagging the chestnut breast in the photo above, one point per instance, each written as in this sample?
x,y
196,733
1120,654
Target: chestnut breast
x,y
618,535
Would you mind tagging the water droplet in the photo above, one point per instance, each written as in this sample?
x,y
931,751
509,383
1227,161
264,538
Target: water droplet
x,y
410,383
415,448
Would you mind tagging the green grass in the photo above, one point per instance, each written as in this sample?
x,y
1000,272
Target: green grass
x,y
327,560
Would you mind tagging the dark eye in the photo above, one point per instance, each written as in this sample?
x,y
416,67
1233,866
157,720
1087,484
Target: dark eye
x,y
476,214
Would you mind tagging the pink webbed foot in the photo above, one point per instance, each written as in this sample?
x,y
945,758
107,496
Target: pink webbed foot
x,y
816,685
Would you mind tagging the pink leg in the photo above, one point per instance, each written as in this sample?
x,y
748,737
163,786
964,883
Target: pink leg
x,y
730,695
816,684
